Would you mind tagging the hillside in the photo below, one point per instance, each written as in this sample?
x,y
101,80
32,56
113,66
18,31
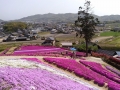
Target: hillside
x,y
35,67
68,17
109,17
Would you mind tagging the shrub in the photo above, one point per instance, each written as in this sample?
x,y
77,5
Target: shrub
x,y
82,47
110,47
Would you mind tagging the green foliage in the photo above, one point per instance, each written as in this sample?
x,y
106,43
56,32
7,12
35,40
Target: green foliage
x,y
111,44
114,42
110,47
14,26
82,47
57,44
5,46
87,23
94,48
110,33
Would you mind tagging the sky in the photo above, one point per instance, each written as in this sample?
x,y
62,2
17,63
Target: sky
x,y
16,9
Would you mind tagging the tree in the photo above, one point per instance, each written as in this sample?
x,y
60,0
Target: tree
x,y
14,26
87,23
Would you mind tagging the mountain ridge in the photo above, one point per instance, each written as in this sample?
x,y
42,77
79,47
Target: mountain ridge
x,y
67,17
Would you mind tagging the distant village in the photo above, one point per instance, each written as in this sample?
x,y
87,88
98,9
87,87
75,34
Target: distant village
x,y
34,28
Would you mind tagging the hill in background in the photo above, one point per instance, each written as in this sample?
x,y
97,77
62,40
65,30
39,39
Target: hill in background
x,y
68,17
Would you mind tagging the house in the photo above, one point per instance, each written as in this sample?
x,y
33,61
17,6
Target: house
x,y
36,31
2,34
53,31
66,44
116,29
49,41
21,38
107,52
15,34
7,38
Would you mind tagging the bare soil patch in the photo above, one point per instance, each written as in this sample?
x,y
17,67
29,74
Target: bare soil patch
x,y
99,39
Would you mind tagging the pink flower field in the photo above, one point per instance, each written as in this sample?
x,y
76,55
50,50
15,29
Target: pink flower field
x,y
35,50
22,70
40,77
94,71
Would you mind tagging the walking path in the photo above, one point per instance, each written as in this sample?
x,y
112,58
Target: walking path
x,y
98,39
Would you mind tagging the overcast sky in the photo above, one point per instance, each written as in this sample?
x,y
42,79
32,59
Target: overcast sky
x,y
16,9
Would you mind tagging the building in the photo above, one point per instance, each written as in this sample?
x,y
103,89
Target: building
x,y
116,29
49,41
66,44
53,31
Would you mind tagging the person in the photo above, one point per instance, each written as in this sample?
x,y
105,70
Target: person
x,y
74,54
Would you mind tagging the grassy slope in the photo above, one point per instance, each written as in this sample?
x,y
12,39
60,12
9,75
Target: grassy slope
x,y
114,40
5,46
110,33
113,43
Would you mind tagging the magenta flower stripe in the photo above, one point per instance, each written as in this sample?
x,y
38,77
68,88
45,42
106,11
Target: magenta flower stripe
x,y
113,70
35,50
82,71
99,69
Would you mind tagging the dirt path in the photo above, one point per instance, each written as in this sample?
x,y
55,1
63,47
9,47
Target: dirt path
x,y
59,35
98,39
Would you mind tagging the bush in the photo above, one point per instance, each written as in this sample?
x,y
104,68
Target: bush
x,y
82,47
108,47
